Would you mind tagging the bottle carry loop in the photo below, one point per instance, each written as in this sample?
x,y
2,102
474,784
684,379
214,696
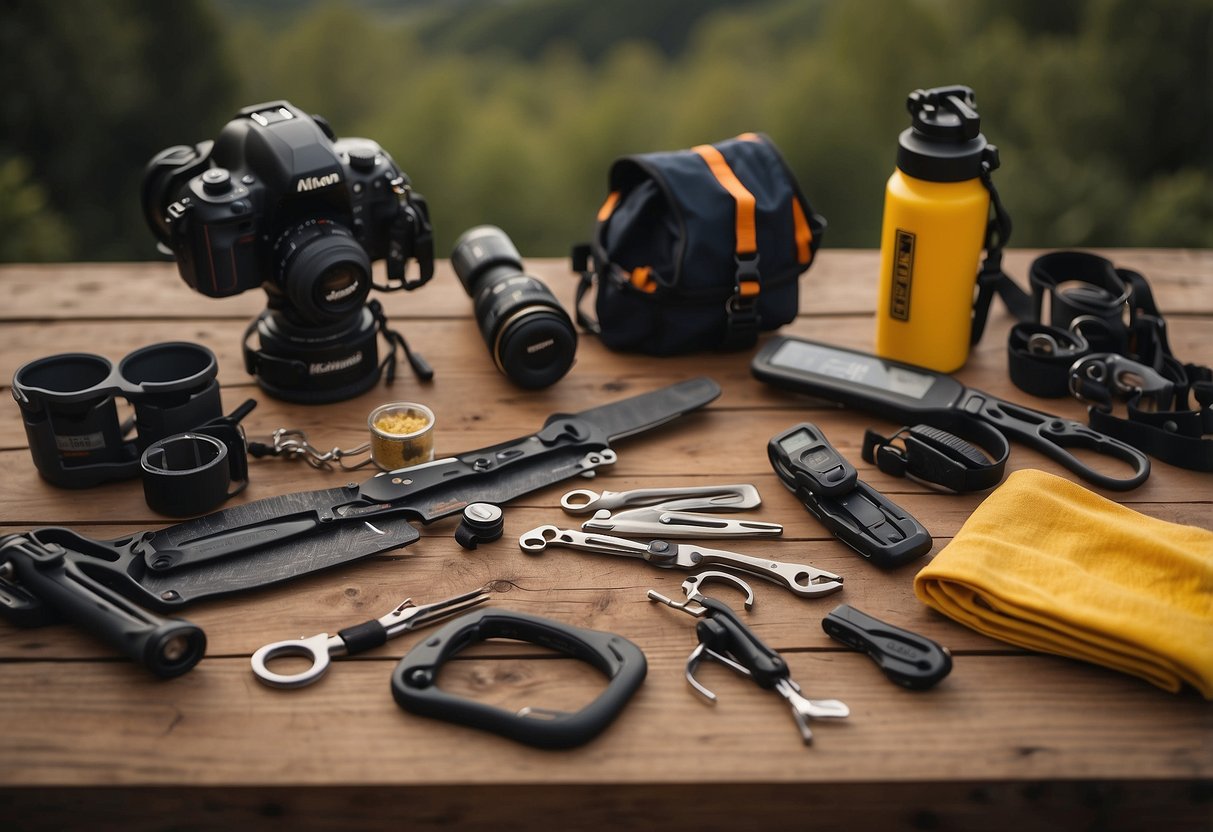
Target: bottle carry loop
x,y
991,279
1105,341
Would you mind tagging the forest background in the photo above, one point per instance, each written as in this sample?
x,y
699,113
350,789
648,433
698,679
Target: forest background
x,y
511,111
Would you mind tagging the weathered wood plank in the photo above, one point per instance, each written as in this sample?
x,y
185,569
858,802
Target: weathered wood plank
x,y
1024,717
1041,805
1009,740
842,281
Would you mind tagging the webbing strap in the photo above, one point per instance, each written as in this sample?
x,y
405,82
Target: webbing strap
x,y
1106,340
804,233
741,310
747,233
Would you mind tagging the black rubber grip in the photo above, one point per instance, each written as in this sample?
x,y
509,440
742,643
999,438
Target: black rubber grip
x,y
950,444
363,636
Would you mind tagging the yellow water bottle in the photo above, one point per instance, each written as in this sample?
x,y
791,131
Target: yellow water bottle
x,y
936,215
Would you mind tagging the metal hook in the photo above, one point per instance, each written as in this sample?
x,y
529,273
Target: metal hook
x,y
294,444
691,589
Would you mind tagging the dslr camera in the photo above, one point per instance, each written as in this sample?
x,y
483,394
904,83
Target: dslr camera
x,y
277,201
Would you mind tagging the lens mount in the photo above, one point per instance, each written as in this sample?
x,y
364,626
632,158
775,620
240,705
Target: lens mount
x,y
323,271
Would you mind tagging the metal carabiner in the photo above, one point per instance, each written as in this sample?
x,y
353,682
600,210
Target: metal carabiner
x,y
1100,378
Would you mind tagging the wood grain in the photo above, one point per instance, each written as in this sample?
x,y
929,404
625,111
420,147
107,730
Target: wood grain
x,y
1010,740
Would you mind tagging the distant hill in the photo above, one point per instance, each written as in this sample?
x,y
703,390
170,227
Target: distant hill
x,y
523,28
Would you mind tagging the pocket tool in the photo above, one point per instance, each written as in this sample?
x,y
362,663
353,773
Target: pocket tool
x,y
802,580
322,647
726,639
670,512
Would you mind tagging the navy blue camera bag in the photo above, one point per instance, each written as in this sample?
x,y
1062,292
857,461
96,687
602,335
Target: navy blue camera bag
x,y
698,249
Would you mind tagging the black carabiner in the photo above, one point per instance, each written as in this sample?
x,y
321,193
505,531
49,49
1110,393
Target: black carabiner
x,y
414,679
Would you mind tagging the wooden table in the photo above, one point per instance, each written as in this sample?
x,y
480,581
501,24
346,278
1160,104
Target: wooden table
x,y
92,739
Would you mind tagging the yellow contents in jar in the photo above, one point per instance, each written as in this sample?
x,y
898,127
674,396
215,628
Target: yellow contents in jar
x,y
400,424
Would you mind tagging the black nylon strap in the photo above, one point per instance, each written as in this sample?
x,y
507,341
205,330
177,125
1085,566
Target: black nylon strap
x,y
1041,356
938,458
581,257
1104,319
991,279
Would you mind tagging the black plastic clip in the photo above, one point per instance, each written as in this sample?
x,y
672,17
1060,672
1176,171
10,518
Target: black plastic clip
x,y
906,658
861,517
414,679
941,459
741,309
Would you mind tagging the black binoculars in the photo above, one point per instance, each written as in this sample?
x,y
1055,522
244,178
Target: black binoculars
x,y
68,405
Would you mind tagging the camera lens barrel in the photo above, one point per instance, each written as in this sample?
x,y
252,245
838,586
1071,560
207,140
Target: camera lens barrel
x,y
323,270
528,333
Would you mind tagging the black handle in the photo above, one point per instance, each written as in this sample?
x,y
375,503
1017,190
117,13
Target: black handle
x,y
561,440
621,661
908,659
861,517
1053,436
725,633
166,647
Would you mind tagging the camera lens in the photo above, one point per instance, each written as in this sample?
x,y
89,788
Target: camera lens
x,y
529,335
323,270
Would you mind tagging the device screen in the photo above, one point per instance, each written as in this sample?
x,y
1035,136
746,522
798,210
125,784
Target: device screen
x,y
854,368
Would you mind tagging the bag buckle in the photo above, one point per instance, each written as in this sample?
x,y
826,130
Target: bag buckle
x,y
741,309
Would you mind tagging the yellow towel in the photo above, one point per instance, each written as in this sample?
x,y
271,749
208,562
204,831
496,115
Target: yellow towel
x,y
1047,565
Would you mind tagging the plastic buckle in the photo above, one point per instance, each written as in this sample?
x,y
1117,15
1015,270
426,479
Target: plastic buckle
x,y
741,309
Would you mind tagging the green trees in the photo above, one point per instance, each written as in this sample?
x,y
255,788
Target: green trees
x,y
511,113
91,91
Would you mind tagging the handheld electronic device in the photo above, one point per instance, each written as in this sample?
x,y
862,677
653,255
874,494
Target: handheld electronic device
x,y
908,394
854,512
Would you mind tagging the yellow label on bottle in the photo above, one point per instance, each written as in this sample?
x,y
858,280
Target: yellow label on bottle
x,y
903,275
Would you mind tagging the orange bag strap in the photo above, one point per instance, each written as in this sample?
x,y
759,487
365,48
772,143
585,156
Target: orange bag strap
x,y
742,308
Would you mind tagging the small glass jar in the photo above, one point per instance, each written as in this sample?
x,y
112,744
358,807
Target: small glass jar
x,y
391,449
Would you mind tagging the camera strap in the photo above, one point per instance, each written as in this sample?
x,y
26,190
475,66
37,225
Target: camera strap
x,y
294,377
421,367
1106,341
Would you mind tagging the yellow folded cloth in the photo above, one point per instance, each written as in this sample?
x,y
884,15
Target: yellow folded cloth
x,y
1048,565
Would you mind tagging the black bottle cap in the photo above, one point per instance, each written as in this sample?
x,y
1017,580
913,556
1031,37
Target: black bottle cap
x,y
945,143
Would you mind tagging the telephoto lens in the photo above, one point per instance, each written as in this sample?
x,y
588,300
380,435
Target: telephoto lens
x,y
528,333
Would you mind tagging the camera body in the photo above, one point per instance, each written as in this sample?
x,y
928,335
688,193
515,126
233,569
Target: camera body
x,y
277,201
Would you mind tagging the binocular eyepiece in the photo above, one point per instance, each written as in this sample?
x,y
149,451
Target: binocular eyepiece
x,y
68,406
528,333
